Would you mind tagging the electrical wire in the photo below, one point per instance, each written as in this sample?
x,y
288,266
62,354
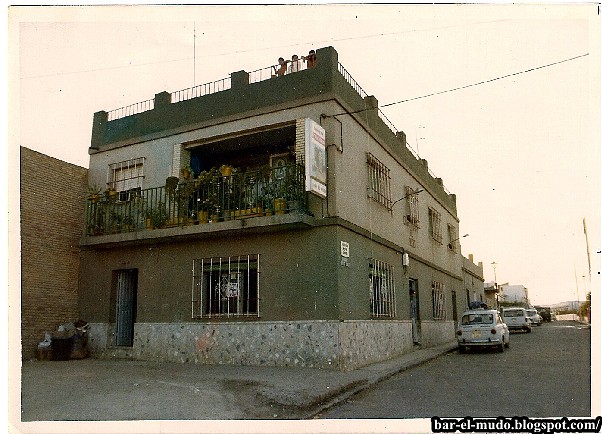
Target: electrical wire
x,y
470,85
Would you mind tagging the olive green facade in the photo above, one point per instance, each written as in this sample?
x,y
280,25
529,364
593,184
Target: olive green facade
x,y
314,264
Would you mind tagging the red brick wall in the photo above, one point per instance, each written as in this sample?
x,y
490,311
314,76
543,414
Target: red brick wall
x,y
52,222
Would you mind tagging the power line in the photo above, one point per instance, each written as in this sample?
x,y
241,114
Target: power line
x,y
470,85
488,81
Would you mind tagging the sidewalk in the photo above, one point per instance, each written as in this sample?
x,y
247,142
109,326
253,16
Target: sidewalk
x,y
97,390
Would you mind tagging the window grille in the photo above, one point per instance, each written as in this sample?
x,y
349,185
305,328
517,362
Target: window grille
x,y
126,176
438,301
382,289
435,225
413,216
379,188
225,286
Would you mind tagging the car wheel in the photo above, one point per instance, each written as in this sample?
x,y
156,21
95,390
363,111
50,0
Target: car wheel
x,y
461,349
500,348
529,330
507,344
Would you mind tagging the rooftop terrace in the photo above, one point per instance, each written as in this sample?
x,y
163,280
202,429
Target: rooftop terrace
x,y
242,91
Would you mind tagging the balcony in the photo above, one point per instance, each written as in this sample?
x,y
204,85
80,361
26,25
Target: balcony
x,y
217,195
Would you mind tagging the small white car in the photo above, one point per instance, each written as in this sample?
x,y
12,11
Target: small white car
x,y
534,317
482,328
516,319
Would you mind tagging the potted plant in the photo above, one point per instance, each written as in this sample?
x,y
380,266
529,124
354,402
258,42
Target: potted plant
x,y
226,170
94,193
111,194
186,172
156,217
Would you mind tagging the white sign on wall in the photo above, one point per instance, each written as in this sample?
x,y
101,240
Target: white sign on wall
x,y
344,249
315,158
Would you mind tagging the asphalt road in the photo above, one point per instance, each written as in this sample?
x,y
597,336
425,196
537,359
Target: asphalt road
x,y
545,373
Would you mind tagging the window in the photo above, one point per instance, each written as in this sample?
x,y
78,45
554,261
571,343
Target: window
x,y
382,289
126,176
438,301
379,188
225,286
452,236
435,225
413,215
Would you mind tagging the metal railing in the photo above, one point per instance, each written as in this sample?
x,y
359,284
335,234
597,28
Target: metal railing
x,y
272,71
201,90
131,109
212,197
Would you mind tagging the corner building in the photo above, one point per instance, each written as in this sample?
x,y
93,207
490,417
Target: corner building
x,y
265,220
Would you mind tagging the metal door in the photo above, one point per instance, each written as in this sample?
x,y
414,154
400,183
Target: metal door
x,y
454,308
414,310
125,307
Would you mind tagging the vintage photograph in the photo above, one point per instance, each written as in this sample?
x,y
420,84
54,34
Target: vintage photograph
x,y
303,218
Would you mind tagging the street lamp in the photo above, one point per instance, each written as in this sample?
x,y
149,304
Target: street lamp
x,y
451,243
497,296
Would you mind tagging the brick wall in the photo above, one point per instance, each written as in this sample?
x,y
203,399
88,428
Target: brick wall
x,y
52,221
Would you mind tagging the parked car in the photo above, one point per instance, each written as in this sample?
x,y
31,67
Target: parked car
x,y
482,328
534,317
516,319
545,312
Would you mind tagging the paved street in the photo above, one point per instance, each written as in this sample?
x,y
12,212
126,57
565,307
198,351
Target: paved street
x,y
545,373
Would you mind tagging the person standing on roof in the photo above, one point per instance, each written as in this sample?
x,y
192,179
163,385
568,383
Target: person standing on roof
x,y
295,64
280,69
310,59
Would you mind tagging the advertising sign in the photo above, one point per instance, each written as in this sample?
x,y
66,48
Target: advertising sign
x,y
315,158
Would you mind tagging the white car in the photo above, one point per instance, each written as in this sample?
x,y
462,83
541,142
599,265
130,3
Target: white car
x,y
534,317
482,328
516,319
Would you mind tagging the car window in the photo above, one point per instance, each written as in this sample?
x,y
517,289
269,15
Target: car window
x,y
513,313
480,318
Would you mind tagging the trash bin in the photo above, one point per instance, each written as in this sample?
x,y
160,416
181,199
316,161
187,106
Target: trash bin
x,y
61,347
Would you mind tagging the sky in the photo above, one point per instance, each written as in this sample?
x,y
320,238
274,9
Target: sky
x,y
502,100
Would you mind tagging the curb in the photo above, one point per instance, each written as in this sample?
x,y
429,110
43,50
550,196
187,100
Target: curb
x,y
359,386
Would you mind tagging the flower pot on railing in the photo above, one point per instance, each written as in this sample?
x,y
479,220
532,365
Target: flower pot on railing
x,y
279,205
226,170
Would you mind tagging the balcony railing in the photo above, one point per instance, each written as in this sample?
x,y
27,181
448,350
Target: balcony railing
x,y
212,197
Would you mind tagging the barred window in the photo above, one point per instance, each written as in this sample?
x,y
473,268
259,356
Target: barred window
x,y
438,301
379,188
413,215
126,176
435,225
382,289
225,286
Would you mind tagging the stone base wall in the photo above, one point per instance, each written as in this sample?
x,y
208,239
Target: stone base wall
x,y
316,344
435,333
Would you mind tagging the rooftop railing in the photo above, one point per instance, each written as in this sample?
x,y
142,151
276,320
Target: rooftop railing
x,y
212,197
254,77
201,90
131,109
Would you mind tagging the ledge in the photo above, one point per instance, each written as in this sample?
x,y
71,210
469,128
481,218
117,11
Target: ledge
x,y
252,225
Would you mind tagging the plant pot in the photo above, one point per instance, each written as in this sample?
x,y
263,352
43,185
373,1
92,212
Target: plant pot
x,y
94,198
149,224
203,216
279,206
214,218
226,170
